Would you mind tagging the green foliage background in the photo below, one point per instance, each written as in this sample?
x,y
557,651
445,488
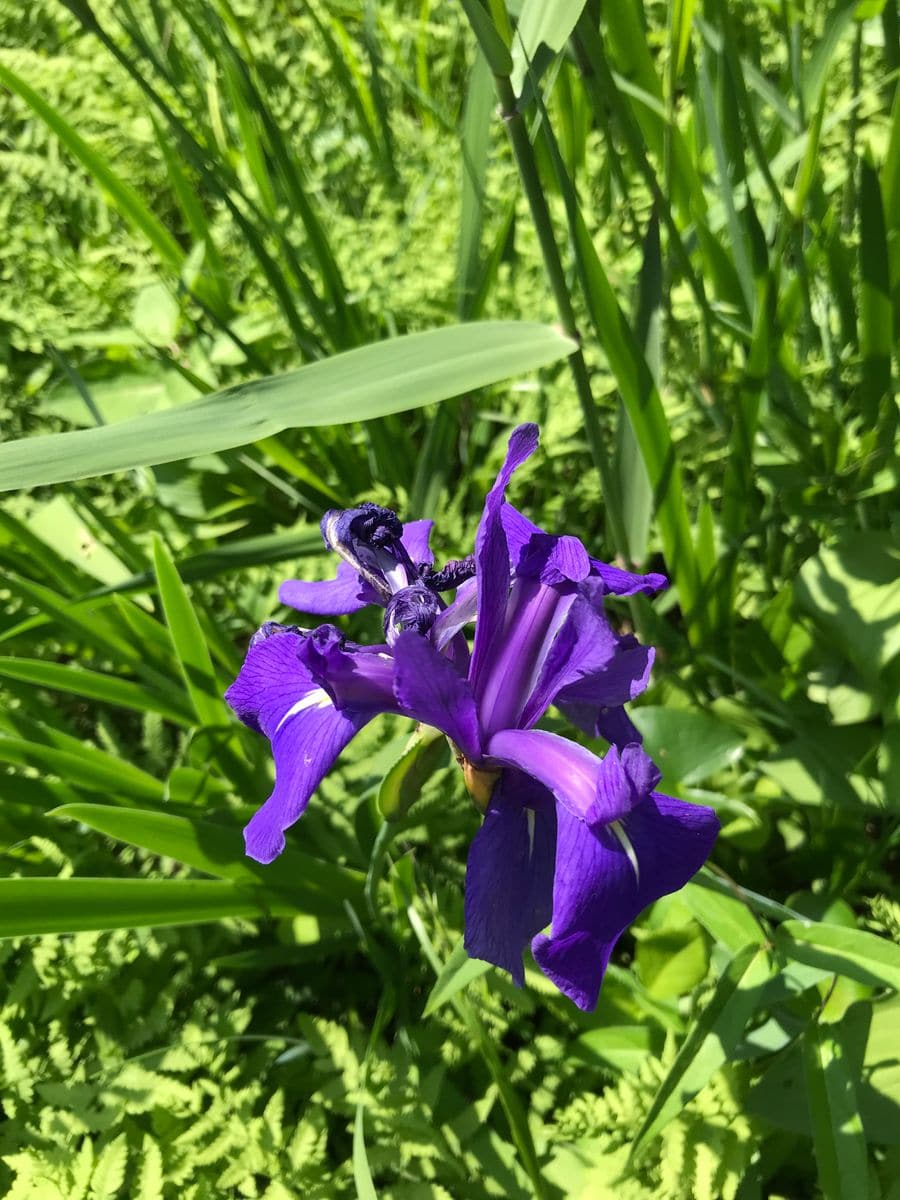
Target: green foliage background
x,y
201,194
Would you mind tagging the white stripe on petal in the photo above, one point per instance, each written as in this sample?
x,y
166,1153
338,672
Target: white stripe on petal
x,y
317,698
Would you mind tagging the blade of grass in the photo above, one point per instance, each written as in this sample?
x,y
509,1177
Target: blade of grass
x,y
188,640
93,685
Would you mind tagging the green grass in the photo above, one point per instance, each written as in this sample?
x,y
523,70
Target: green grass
x,y
199,196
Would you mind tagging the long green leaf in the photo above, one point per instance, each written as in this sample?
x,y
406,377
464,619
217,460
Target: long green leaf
x,y
313,886
709,1041
387,377
94,685
34,906
189,641
838,1135
853,952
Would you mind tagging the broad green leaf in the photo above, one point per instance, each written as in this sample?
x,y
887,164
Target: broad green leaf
x,y
687,746
311,885
852,591
189,641
838,1137
33,906
853,952
455,975
625,1047
709,1040
359,385
869,1036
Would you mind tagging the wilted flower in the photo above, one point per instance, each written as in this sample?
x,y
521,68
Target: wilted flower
x,y
569,840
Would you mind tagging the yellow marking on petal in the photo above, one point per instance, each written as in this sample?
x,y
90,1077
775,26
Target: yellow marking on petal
x,y
625,842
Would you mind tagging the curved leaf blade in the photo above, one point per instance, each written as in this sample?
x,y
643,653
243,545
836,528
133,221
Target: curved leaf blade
x,y
359,385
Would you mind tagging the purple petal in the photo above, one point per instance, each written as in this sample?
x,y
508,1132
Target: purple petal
x,y
623,677
415,538
492,554
272,679
596,893
612,724
616,582
584,646
429,689
457,615
554,559
518,529
594,790
304,747
275,693
509,874
346,593
535,615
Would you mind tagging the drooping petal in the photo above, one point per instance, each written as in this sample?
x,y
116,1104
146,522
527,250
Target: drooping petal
x,y
429,689
594,790
509,874
272,679
492,555
276,694
305,748
596,893
346,593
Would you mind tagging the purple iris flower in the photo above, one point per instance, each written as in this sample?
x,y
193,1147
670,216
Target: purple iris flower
x,y
569,840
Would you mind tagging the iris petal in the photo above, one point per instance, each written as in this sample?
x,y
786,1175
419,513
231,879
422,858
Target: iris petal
x,y
428,688
509,874
492,555
276,694
596,893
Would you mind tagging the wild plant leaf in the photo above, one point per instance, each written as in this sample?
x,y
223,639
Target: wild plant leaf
x,y
359,385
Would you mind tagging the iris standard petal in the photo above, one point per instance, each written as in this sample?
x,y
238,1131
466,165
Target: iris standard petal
x,y
492,555
509,874
429,689
595,790
585,645
346,593
596,893
608,580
